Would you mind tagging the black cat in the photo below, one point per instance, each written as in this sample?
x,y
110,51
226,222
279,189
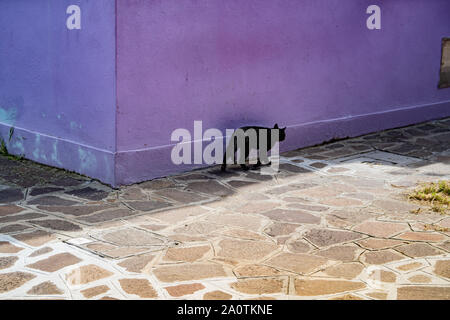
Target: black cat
x,y
268,143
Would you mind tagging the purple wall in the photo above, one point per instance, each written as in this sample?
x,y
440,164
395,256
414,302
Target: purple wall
x,y
57,86
104,100
309,64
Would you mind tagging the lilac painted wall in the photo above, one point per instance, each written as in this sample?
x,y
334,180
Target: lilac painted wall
x,y
57,86
309,64
104,100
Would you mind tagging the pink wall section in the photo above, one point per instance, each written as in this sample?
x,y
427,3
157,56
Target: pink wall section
x,y
311,65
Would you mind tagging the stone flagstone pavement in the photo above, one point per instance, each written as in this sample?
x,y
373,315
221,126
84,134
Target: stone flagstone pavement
x,y
334,223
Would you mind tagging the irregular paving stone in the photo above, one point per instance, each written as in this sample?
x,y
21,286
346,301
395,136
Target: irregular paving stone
x,y
421,236
7,262
174,216
21,217
410,266
45,288
299,246
51,201
57,224
347,297
381,257
243,234
9,209
133,193
14,280
337,170
240,183
94,291
236,220
86,274
281,190
423,293
323,287
137,264
124,252
45,190
40,252
157,184
88,193
281,229
100,246
376,244
108,298
258,176
254,270
194,176
55,262
318,165
292,168
298,263
347,271
326,237
319,192
307,207
210,187
13,228
186,238
293,216
149,205
420,278
394,206
199,228
380,229
360,196
132,237
245,250
259,286
257,207
7,247
418,250
442,268
341,202
107,215
139,287
383,276
217,295
181,196
11,195
350,216
77,211
377,295
341,253
189,254
153,227
184,289
186,272
35,238
67,182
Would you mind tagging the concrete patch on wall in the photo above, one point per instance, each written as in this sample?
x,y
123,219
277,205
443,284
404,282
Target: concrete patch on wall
x,y
87,160
60,153
8,115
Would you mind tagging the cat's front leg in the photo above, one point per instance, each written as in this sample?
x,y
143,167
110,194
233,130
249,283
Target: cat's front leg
x,y
244,167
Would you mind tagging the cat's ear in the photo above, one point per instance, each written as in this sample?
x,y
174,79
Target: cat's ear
x,y
284,129
276,126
